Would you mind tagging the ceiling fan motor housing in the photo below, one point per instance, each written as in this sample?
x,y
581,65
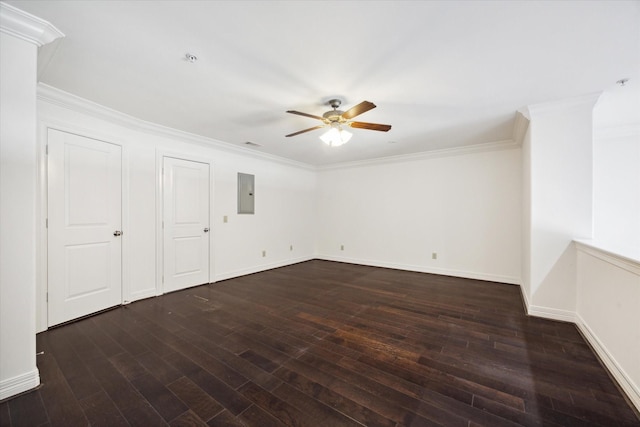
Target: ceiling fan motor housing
x,y
335,114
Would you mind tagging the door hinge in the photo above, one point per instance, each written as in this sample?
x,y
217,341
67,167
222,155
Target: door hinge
x,y
163,278
46,149
46,222
47,296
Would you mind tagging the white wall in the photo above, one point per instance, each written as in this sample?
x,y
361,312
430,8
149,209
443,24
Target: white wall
x,y
526,217
495,213
561,203
608,314
608,265
285,196
575,187
616,174
465,207
616,190
284,218
18,370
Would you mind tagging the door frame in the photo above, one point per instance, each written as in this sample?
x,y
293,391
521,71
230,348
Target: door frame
x,y
42,208
160,155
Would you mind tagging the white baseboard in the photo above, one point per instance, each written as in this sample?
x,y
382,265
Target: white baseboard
x,y
546,312
627,385
525,298
261,267
551,313
624,381
424,269
19,384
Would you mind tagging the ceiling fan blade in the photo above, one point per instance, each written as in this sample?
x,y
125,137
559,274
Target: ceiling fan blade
x,y
363,107
306,115
306,130
370,126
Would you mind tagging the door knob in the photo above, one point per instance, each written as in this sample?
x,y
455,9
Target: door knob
x,y
117,233
206,230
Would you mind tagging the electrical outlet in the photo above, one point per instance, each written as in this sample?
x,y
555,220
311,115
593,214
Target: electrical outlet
x,y
264,254
342,247
290,247
225,219
434,255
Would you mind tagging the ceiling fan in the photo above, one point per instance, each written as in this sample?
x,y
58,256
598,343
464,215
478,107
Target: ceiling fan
x,y
335,119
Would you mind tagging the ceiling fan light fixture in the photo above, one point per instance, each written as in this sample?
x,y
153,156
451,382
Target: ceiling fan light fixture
x,y
336,136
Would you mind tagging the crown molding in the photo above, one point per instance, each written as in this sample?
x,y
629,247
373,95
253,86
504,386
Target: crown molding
x,y
520,126
588,100
75,103
27,27
506,144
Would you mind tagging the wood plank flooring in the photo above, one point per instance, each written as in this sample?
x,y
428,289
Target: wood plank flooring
x,y
321,344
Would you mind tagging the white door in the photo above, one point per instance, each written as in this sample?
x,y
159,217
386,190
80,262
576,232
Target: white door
x,y
84,215
186,223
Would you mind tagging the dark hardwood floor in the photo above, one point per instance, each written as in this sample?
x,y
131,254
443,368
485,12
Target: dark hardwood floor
x,y
321,344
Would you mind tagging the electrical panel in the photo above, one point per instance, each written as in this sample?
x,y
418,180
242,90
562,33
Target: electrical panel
x,y
246,193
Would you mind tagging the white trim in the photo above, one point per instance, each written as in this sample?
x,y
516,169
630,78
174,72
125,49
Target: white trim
x,y
44,124
551,313
27,27
512,280
41,229
546,312
632,391
613,367
552,107
42,283
159,245
19,384
77,104
125,269
262,267
620,261
520,126
525,113
506,144
161,153
525,298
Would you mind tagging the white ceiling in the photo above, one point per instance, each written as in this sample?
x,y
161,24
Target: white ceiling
x,y
444,74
